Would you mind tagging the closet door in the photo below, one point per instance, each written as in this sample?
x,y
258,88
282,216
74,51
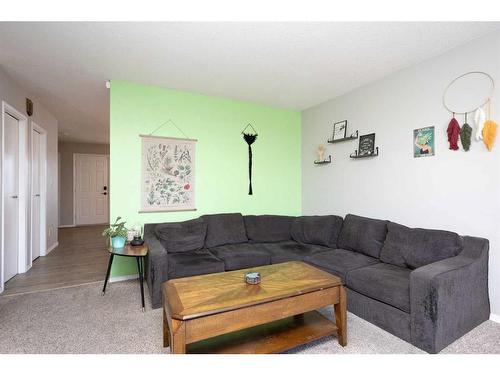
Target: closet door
x,y
36,195
11,196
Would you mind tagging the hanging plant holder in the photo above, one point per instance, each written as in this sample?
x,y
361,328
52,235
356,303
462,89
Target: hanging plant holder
x,y
249,138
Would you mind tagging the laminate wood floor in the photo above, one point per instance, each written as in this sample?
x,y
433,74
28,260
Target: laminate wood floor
x,y
80,258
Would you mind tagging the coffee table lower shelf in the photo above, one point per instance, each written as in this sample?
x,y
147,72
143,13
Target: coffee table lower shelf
x,y
274,337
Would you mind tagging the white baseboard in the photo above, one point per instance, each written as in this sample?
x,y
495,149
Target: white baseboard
x,y
115,279
67,226
51,248
495,318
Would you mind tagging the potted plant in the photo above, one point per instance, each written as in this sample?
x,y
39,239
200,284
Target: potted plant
x,y
117,232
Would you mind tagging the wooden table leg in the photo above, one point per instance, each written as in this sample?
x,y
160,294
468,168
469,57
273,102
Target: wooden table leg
x,y
166,331
341,316
178,337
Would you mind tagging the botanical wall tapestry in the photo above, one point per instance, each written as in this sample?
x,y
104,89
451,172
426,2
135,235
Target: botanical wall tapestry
x,y
168,174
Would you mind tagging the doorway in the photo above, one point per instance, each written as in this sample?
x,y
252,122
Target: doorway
x,y
91,189
14,188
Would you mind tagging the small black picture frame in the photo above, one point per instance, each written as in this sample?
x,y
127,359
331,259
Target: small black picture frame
x,y
339,130
366,144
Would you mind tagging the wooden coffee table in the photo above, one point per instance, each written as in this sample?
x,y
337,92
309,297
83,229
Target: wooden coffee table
x,y
220,313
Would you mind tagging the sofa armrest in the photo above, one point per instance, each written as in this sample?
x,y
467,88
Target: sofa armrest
x,y
156,265
449,297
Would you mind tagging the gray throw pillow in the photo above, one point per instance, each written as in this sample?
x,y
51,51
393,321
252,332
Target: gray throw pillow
x,y
182,236
416,247
224,229
268,228
363,235
317,230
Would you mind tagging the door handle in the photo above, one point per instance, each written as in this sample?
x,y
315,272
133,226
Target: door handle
x,y
37,195
104,193
15,196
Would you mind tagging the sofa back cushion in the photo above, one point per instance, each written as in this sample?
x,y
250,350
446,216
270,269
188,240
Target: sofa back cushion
x,y
224,229
415,247
363,235
182,236
317,230
268,228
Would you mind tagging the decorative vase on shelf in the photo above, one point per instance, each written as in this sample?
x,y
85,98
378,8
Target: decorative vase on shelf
x,y
321,152
118,242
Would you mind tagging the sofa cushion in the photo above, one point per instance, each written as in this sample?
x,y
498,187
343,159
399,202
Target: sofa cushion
x,y
317,230
224,229
290,250
339,261
415,247
363,235
268,228
384,282
182,236
244,255
192,263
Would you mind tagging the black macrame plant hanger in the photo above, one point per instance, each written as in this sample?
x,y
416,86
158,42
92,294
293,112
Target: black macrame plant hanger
x,y
249,139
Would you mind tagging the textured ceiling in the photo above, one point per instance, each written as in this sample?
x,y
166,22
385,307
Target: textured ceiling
x,y
288,65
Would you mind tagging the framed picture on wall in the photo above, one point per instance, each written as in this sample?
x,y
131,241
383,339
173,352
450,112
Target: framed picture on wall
x,y
339,130
366,144
168,174
423,142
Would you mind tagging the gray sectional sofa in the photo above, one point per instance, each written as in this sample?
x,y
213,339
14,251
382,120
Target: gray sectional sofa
x,y
428,287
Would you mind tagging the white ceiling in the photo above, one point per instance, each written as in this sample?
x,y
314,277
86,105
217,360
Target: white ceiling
x,y
288,65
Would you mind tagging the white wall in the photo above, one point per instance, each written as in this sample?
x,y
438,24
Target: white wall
x,y
452,190
16,97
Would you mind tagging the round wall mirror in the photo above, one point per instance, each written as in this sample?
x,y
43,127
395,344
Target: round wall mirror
x,y
468,92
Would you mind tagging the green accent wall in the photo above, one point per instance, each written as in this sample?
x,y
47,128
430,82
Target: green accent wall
x,y
221,154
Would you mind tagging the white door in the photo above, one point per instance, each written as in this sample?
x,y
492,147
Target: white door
x,y
11,196
36,194
91,189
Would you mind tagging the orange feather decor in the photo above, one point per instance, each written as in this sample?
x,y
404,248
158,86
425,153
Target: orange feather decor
x,y
489,133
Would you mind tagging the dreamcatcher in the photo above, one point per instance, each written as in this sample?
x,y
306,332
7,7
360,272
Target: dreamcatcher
x,y
483,86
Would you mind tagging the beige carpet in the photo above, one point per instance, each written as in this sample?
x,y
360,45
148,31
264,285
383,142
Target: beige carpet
x,y
80,320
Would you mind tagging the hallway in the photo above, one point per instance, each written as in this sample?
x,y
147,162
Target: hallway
x,y
80,258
